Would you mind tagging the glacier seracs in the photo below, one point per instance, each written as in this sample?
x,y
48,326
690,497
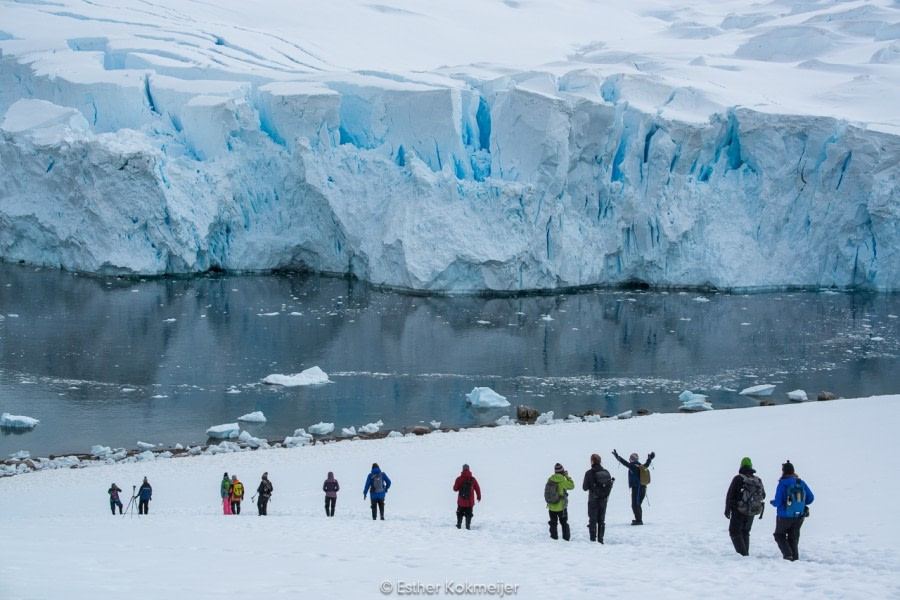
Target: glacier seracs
x,y
123,153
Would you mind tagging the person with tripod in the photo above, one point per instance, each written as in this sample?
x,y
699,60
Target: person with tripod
x,y
145,494
114,498
265,492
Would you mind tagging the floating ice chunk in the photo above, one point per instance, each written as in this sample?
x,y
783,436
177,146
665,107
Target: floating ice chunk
x,y
484,397
321,428
9,421
268,314
573,419
701,299
348,431
593,418
145,456
253,442
505,420
691,402
310,376
100,451
228,430
254,417
546,318
395,434
20,455
172,320
294,442
695,406
145,445
222,448
435,424
195,450
797,396
233,390
625,415
179,447
758,390
483,322
371,427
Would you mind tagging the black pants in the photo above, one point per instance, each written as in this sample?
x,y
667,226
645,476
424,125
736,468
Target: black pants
x,y
464,512
597,518
144,507
739,530
235,507
562,517
113,504
377,505
637,497
787,536
329,506
262,504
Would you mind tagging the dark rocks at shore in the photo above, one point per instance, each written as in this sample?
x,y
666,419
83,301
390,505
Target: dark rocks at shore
x,y
526,413
826,396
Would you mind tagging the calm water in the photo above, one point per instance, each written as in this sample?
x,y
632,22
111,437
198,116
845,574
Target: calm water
x,y
114,361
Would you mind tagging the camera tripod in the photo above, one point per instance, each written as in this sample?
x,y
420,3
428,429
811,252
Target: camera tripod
x,y
130,507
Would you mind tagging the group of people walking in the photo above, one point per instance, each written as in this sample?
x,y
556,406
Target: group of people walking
x,y
744,501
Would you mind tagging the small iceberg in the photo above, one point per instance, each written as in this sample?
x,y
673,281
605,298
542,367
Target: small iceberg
x,y
758,390
310,376
371,427
9,421
145,445
691,402
797,396
484,397
321,428
224,432
254,417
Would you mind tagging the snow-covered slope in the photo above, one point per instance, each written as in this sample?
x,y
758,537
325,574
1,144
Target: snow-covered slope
x,y
60,541
456,147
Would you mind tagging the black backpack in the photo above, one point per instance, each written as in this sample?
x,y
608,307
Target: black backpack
x,y
465,490
752,498
601,484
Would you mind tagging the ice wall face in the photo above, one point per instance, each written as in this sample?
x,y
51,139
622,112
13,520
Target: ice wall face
x,y
130,154
396,187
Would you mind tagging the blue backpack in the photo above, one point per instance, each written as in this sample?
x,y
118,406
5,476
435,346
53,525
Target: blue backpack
x,y
795,502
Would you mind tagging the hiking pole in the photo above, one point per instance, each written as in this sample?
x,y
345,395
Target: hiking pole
x,y
131,502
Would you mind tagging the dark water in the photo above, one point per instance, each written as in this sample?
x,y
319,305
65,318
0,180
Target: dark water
x,y
114,361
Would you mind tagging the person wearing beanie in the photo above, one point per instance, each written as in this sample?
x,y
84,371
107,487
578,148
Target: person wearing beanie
x,y
331,487
791,501
264,492
638,489
468,491
378,483
559,512
598,483
236,494
743,501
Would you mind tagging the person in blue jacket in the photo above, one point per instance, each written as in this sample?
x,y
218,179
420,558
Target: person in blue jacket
x,y
378,483
145,495
638,491
792,496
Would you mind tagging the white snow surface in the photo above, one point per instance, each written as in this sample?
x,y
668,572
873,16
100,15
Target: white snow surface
x,y
682,551
466,146
310,376
485,397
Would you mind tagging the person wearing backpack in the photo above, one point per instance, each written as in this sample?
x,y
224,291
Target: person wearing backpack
x,y
597,483
236,493
225,491
264,492
378,483
145,494
557,498
469,490
791,501
331,487
745,499
114,498
638,479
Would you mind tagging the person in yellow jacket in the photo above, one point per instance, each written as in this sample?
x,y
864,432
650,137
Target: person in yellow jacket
x,y
236,491
559,511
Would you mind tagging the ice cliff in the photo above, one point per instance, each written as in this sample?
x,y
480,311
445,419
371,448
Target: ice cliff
x,y
122,155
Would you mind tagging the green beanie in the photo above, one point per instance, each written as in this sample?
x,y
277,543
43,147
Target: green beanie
x,y
746,462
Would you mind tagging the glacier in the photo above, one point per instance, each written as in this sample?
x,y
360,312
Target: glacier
x,y
136,144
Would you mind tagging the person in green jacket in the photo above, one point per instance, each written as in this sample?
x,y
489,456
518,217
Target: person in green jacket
x,y
559,512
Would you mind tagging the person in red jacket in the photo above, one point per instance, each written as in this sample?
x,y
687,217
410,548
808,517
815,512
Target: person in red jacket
x,y
469,490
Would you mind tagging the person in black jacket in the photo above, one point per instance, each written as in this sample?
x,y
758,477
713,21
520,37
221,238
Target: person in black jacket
x,y
741,521
265,492
597,483
638,490
145,495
